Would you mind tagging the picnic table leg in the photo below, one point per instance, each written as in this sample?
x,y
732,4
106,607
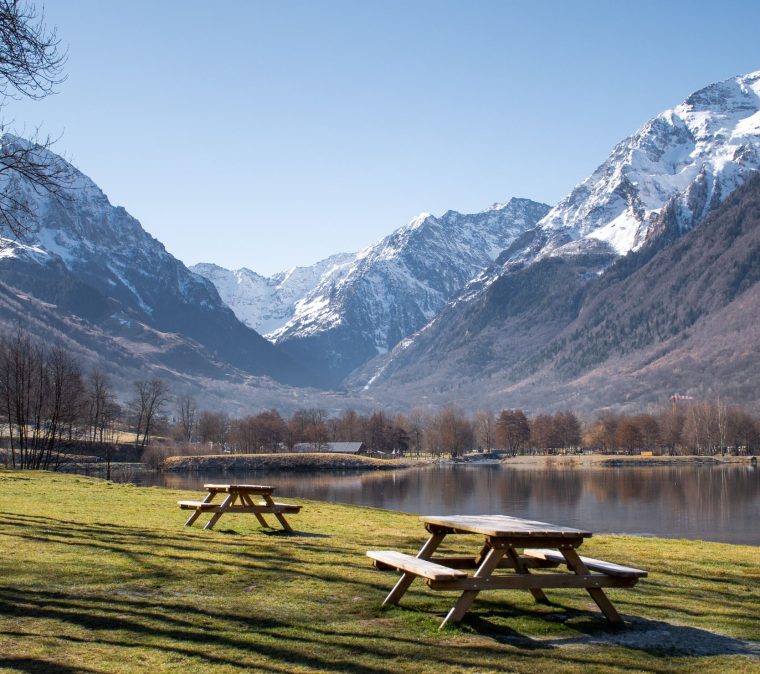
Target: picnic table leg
x,y
403,583
490,563
280,517
597,594
247,500
222,509
538,594
198,511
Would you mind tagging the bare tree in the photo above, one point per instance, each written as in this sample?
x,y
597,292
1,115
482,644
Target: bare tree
x,y
512,430
452,432
148,404
101,412
213,428
31,66
41,397
485,430
186,413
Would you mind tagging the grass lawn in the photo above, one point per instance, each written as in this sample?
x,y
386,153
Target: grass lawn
x,y
100,577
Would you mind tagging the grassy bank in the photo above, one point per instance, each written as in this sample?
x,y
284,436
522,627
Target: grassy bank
x,y
310,461
99,577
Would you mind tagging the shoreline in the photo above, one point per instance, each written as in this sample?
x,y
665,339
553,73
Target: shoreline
x,y
232,463
620,461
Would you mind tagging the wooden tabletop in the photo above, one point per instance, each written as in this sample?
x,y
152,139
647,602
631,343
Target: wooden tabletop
x,y
503,525
257,488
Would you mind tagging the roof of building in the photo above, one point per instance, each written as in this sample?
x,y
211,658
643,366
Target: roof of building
x,y
339,447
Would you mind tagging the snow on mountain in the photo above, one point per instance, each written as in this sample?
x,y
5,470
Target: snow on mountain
x,y
395,286
267,303
88,257
693,155
677,168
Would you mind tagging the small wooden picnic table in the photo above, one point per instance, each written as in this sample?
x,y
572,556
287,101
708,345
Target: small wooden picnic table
x,y
239,499
504,537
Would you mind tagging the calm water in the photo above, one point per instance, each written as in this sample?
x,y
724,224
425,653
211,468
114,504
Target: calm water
x,y
717,503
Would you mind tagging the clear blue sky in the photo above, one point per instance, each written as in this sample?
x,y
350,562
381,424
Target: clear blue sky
x,y
268,134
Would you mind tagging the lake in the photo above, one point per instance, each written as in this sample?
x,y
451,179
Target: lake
x,y
715,503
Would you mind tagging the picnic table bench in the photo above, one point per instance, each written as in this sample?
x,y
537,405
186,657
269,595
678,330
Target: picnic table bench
x,y
239,499
504,538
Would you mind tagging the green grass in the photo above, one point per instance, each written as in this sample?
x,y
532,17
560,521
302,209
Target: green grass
x,y
99,577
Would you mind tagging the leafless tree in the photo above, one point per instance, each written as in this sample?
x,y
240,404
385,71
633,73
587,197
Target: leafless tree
x,y
41,397
450,432
485,430
213,428
512,430
186,413
148,404
31,66
101,414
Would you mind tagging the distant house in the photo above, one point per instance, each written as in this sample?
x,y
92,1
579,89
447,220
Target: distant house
x,y
334,447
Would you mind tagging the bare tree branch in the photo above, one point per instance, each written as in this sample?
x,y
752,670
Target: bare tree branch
x,y
31,66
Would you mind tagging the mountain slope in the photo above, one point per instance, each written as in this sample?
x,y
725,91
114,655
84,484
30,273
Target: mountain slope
x,y
95,261
654,187
693,155
267,303
395,286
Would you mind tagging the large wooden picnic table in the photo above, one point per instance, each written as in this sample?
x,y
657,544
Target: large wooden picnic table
x,y
239,498
543,546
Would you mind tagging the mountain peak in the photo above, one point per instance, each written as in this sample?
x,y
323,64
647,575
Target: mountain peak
x,y
694,154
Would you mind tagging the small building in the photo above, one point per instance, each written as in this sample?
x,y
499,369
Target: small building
x,y
333,447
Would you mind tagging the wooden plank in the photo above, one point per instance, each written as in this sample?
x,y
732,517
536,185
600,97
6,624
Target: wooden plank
x,y
247,488
403,583
520,567
283,522
503,525
201,505
414,565
246,498
532,542
261,509
591,563
597,594
542,581
469,562
490,562
190,520
222,509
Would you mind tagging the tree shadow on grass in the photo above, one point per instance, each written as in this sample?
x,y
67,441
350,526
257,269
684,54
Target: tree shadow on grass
x,y
654,637
276,533
34,666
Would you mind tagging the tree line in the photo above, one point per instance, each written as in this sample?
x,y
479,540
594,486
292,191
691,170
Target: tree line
x,y
50,408
705,427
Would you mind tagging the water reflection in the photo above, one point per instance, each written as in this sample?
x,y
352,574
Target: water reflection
x,y
719,503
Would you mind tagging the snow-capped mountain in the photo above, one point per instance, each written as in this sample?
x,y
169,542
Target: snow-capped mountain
x,y
395,286
668,176
95,261
693,155
267,303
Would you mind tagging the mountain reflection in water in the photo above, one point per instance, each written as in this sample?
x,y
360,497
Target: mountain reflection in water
x,y
716,503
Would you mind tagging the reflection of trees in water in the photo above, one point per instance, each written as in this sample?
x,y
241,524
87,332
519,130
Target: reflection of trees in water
x,y
717,502
697,487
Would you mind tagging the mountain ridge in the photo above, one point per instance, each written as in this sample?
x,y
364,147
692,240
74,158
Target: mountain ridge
x,y
395,286
483,332
96,261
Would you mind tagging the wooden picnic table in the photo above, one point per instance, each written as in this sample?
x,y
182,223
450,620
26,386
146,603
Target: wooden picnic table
x,y
239,498
543,546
